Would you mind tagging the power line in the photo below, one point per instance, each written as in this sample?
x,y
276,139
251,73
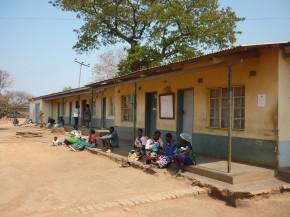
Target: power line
x,y
268,18
72,19
37,18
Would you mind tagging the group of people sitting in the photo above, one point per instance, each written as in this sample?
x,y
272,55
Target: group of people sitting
x,y
77,142
150,150
52,123
155,151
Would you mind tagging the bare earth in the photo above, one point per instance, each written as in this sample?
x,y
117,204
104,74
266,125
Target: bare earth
x,y
39,180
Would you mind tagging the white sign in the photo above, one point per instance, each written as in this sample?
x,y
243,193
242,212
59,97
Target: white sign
x,y
261,100
167,106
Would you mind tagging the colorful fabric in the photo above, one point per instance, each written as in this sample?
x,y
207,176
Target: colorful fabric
x,y
134,156
140,142
71,139
155,147
163,161
170,149
92,139
186,155
81,144
184,160
151,142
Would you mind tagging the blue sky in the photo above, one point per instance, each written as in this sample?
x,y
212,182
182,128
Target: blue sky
x,y
37,51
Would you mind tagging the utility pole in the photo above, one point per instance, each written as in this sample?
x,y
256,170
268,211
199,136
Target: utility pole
x,y
81,64
230,96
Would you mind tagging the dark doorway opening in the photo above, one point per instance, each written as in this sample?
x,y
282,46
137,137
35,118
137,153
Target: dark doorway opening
x,y
150,113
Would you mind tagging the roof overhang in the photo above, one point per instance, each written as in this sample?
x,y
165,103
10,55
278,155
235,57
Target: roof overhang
x,y
68,93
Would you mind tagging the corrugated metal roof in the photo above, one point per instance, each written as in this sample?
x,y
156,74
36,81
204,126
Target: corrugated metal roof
x,y
162,69
137,73
71,92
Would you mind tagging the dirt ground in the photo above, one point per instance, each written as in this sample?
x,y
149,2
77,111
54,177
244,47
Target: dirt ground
x,y
39,180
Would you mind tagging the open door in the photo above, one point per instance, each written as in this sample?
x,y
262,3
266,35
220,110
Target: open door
x,y
150,113
184,112
36,112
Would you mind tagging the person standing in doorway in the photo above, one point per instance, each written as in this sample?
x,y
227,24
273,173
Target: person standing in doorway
x,y
76,115
87,115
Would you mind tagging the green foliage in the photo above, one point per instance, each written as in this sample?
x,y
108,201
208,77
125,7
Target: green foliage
x,y
66,88
139,57
157,31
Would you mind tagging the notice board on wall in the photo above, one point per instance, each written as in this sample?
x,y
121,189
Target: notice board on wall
x,y
261,100
166,106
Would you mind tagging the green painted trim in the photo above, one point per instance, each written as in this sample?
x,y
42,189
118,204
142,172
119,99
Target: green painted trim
x,y
284,154
252,151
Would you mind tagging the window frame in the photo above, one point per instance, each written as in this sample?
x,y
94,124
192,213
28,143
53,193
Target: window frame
x,y
242,117
127,109
111,106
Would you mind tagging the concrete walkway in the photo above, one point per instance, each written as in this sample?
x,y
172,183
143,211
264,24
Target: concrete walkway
x,y
230,192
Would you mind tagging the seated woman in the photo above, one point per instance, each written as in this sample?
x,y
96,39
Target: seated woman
x,y
152,147
169,150
60,122
140,141
50,122
184,154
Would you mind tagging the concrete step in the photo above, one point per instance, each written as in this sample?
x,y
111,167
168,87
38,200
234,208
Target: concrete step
x,y
236,177
284,173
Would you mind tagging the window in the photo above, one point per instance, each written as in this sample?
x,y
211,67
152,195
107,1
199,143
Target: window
x,y
111,106
218,108
127,108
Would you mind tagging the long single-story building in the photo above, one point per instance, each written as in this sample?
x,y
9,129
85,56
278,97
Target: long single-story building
x,y
191,96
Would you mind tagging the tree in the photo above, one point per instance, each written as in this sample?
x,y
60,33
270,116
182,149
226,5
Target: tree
x,y
18,98
107,66
5,81
156,31
66,88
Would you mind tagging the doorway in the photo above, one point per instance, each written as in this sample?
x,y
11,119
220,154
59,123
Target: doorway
x,y
70,113
58,111
184,111
150,113
36,112
103,112
84,104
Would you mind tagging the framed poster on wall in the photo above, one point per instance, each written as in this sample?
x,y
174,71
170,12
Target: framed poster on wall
x,y
166,106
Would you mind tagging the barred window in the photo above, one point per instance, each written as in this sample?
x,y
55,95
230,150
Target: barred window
x,y
218,108
111,107
127,108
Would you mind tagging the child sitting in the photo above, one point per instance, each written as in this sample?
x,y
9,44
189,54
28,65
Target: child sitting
x,y
56,141
92,137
